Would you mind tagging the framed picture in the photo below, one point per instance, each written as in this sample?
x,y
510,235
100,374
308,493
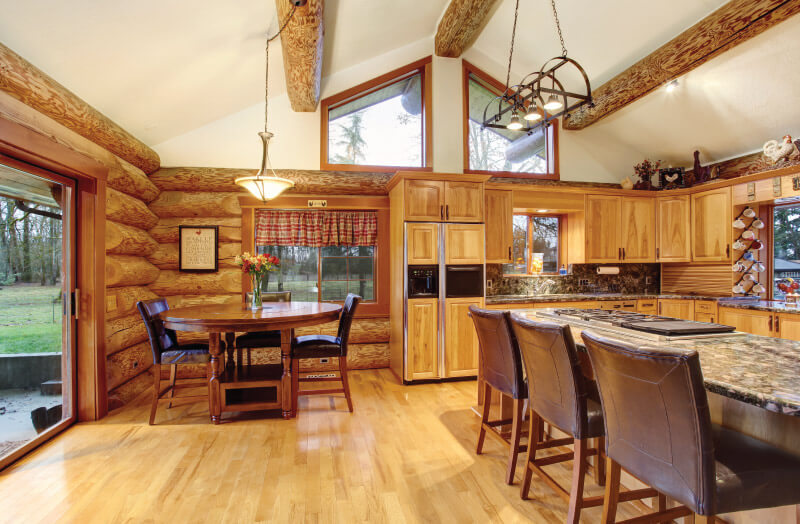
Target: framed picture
x,y
671,177
197,249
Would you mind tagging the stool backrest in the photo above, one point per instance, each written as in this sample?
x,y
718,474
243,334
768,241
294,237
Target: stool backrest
x,y
346,319
557,389
500,359
658,426
161,338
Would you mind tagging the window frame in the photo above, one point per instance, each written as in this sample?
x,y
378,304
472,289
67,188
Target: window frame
x,y
498,87
422,67
561,237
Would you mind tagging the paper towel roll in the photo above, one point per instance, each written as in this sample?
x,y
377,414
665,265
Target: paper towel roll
x,y
608,270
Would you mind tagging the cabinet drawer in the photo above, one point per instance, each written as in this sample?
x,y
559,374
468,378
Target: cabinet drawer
x,y
705,306
704,317
623,305
646,306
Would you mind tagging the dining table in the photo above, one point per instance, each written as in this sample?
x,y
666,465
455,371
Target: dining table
x,y
229,319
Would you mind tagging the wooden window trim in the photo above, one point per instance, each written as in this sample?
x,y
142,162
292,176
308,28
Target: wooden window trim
x,y
496,86
423,67
561,239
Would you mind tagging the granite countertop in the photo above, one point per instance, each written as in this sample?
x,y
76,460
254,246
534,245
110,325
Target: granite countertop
x,y
761,371
763,305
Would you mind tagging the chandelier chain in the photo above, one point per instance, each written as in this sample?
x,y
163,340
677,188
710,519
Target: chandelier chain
x,y
511,51
558,27
266,72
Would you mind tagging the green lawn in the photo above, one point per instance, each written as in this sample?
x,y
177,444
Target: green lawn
x,y
26,321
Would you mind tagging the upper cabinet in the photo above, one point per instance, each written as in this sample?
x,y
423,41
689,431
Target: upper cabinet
x,y
464,244
711,225
499,225
422,241
602,229
673,229
443,201
620,229
638,229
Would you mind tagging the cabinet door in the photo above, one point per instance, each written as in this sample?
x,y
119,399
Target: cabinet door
x,y
673,223
499,225
676,308
463,243
602,229
461,340
463,202
424,201
788,326
422,339
749,321
638,229
422,243
711,226
704,317
647,306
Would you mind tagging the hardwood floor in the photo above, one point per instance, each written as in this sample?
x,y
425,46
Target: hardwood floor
x,y
405,455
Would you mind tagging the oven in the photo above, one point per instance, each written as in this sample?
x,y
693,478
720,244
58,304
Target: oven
x,y
464,281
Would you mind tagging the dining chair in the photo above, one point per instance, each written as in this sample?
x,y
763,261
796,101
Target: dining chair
x,y
168,352
501,366
322,346
659,429
261,339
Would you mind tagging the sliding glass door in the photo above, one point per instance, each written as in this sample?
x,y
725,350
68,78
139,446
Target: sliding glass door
x,y
37,335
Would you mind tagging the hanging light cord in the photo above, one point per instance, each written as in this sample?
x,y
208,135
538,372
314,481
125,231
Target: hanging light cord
x,y
511,51
558,27
266,73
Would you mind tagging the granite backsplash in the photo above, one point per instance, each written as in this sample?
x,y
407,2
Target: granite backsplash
x,y
632,278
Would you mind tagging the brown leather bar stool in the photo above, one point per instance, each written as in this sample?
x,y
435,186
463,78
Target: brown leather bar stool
x,y
167,351
502,371
262,339
658,428
561,395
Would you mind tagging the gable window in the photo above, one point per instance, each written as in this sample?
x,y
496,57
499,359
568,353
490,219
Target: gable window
x,y
381,125
536,245
501,151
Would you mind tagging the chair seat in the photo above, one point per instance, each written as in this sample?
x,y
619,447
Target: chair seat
x,y
259,339
751,474
194,353
316,346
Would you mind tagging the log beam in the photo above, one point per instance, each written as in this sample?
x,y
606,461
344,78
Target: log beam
x,y
30,85
460,25
735,22
126,270
128,240
301,42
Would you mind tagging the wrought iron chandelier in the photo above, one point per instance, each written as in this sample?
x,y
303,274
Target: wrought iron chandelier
x,y
266,185
540,98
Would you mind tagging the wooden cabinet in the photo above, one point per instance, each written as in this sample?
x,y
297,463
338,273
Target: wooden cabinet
x,y
463,243
443,201
788,326
711,225
749,321
602,229
676,308
422,243
499,209
638,229
705,311
422,350
673,233
576,305
648,306
460,340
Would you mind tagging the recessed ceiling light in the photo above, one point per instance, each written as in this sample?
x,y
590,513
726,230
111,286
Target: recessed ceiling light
x,y
671,85
542,210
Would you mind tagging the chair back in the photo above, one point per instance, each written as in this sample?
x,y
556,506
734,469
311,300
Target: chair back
x,y
346,319
500,359
557,389
658,426
161,338
276,296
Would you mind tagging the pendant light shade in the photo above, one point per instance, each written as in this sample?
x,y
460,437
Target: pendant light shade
x,y
514,124
553,103
532,114
265,185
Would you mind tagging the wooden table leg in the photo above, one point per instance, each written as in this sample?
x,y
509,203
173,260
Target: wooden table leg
x,y
286,378
214,405
230,338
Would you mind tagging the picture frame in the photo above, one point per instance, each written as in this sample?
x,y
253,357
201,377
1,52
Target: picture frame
x,y
671,178
197,249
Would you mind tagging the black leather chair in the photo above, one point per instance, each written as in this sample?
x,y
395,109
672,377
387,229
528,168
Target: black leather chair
x,y
658,428
261,339
501,370
168,352
322,346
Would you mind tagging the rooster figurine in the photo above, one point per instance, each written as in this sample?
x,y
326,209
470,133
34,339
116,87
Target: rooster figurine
x,y
777,151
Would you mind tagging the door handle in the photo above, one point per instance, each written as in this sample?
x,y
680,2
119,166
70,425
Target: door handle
x,y
447,212
509,254
770,322
728,250
619,253
623,253
777,324
441,212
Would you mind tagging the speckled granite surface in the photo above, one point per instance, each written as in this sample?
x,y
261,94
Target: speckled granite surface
x,y
577,297
632,278
763,305
761,371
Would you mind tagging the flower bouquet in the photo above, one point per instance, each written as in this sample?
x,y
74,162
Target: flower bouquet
x,y
257,266
645,172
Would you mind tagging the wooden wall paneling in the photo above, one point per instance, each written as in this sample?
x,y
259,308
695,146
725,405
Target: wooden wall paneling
x,y
713,279
165,256
127,363
132,181
397,281
126,270
128,240
170,204
166,229
124,332
128,210
302,42
363,330
34,88
176,301
121,301
460,25
171,282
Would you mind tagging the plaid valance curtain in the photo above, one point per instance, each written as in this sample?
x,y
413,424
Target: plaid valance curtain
x,y
316,228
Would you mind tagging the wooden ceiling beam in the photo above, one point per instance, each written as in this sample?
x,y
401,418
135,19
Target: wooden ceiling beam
x,y
730,25
302,41
461,24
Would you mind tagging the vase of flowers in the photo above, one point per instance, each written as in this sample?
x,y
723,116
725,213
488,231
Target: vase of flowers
x,y
645,172
257,266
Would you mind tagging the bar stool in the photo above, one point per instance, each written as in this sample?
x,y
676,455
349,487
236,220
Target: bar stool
x,y
658,428
262,339
502,371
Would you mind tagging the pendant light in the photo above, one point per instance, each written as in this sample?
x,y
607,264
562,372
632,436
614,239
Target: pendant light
x,y
532,114
266,185
514,124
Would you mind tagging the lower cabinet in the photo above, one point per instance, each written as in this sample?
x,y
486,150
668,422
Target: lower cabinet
x,y
705,311
749,321
648,306
576,305
788,325
460,340
422,357
676,308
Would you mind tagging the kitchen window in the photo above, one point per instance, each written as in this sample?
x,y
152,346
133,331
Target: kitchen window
x,y
536,245
786,248
380,125
501,151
